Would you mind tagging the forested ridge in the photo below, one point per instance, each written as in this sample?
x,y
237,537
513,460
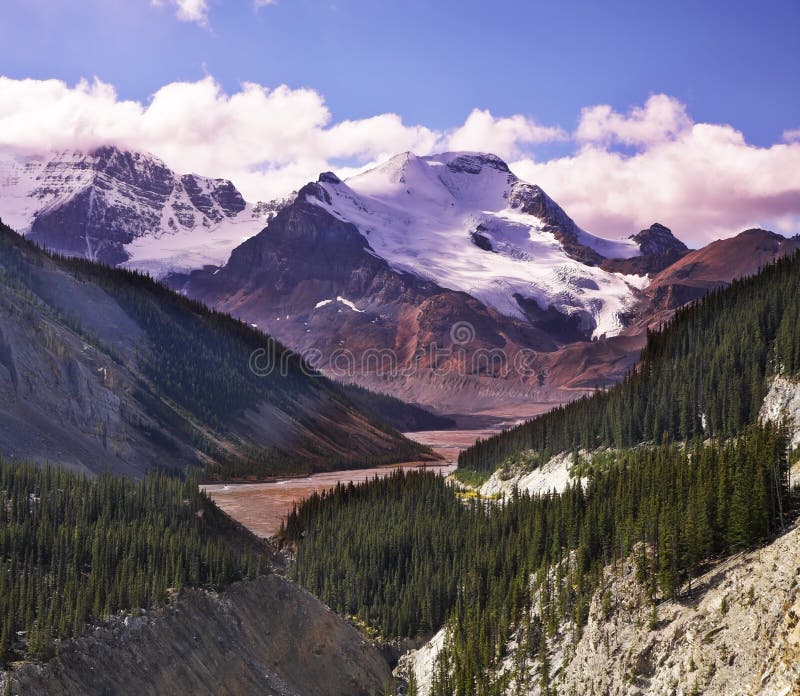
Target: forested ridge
x,y
684,475
74,549
703,375
404,554
193,373
403,416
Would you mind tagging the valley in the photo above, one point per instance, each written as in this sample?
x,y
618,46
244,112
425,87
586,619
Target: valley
x,y
399,349
263,507
495,580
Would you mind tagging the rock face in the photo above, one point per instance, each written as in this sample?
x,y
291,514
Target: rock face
x,y
265,637
658,240
532,200
116,206
738,633
552,476
421,663
659,247
782,405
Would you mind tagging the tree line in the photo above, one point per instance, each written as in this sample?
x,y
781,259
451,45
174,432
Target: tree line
x,y
74,549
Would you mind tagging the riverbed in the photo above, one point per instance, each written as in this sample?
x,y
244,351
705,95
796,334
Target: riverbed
x,y
262,507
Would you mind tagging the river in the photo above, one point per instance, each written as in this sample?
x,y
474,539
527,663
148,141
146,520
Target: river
x,y
261,507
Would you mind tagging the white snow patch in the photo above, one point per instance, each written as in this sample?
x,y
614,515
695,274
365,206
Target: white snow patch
x,y
188,249
349,304
341,300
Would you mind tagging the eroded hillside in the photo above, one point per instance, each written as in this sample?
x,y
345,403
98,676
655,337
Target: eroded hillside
x,y
265,637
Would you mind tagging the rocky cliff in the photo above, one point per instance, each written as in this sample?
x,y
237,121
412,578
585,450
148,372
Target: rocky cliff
x,y
736,632
265,637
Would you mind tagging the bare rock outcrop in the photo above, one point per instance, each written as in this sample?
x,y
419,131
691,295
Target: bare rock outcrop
x,y
265,637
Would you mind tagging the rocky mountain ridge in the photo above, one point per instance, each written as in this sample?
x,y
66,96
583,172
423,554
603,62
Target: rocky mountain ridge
x,y
122,207
379,271
394,258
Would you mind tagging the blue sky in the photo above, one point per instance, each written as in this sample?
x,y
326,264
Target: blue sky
x,y
625,112
432,62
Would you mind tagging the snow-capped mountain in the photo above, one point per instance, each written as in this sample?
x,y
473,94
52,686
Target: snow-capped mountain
x,y
125,208
392,259
388,263
465,222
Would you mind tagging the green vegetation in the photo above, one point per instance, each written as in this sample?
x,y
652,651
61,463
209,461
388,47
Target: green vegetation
x,y
685,476
404,554
200,357
383,552
703,375
473,479
73,549
423,554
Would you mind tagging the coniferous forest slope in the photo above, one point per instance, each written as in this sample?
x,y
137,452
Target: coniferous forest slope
x,y
113,586
671,472
73,548
703,375
105,369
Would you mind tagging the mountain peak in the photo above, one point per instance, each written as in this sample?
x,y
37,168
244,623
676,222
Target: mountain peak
x,y
470,162
329,178
111,153
119,206
658,240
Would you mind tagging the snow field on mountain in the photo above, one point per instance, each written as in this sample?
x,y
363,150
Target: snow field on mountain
x,y
419,214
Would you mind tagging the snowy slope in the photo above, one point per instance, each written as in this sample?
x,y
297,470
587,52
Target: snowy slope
x,y
456,219
126,208
26,187
182,249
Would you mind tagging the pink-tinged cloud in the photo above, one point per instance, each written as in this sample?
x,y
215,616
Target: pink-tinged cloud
x,y
268,141
661,118
703,180
505,137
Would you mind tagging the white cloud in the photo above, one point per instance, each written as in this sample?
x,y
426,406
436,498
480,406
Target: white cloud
x,y
702,180
188,10
661,118
266,140
791,136
504,137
